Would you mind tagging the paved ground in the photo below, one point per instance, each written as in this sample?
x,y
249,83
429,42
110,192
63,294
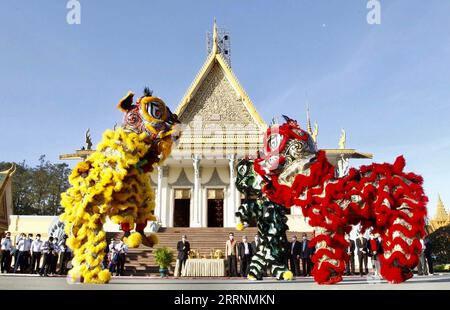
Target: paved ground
x,y
31,282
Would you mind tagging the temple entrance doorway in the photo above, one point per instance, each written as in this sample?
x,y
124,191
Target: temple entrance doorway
x,y
182,208
215,207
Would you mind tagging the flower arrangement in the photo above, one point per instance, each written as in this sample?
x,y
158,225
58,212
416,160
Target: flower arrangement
x,y
218,254
193,254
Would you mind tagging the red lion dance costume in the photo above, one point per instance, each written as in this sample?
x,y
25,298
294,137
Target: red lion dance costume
x,y
378,196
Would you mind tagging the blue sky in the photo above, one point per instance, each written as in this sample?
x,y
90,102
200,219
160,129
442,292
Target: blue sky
x,y
388,85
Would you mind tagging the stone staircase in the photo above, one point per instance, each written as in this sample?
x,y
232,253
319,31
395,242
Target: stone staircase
x,y
140,261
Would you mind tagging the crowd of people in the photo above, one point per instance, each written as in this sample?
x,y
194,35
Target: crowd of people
x,y
35,256
29,255
299,251
365,248
242,252
299,255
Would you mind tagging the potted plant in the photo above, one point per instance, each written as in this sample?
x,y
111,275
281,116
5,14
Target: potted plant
x,y
163,257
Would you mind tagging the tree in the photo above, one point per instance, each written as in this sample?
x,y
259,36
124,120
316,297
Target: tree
x,y
36,190
440,244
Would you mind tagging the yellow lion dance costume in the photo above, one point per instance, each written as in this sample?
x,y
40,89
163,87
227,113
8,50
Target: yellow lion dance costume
x,y
114,182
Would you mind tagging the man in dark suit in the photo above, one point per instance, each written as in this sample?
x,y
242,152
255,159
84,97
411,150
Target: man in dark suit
x,y
361,245
350,268
305,256
428,254
294,251
183,248
255,244
245,256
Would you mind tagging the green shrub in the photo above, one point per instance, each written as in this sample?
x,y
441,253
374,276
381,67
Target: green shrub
x,y
442,268
163,257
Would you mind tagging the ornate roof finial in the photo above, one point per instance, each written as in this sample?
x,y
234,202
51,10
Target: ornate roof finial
x,y
88,139
308,119
342,139
313,133
11,170
215,48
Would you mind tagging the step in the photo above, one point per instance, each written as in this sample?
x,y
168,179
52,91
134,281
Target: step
x,y
140,261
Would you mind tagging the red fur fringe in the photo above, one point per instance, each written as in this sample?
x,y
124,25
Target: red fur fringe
x,y
383,189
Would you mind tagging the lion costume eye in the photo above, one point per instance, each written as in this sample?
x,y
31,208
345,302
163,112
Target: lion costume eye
x,y
242,170
275,141
154,109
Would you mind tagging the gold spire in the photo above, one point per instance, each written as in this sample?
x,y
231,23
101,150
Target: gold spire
x,y
441,214
442,218
312,133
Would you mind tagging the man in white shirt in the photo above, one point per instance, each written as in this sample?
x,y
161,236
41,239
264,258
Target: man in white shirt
x,y
36,253
27,253
21,256
422,266
47,250
6,247
15,250
122,250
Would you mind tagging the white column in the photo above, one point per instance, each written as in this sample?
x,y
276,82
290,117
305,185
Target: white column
x,y
158,209
197,212
233,193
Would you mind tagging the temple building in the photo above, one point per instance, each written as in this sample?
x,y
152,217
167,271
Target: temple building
x,y
195,186
6,202
441,219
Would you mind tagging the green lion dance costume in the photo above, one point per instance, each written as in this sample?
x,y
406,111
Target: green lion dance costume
x,y
114,182
271,221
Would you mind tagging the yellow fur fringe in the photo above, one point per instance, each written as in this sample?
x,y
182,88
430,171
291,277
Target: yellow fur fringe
x,y
105,184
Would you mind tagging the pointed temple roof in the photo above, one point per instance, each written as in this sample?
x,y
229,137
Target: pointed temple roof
x,y
442,218
4,176
441,213
215,61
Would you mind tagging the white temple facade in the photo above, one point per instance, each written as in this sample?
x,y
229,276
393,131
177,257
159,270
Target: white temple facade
x,y
195,187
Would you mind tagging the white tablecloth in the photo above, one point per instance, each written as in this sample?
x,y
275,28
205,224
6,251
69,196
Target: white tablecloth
x,y
199,267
